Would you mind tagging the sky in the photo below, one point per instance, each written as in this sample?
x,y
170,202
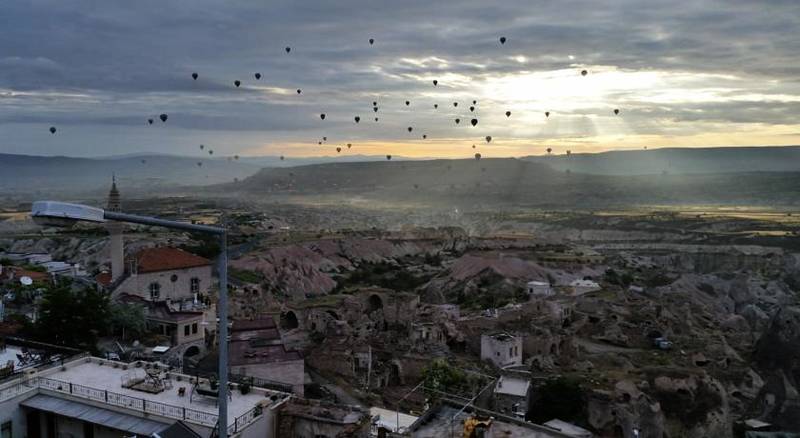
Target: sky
x,y
682,73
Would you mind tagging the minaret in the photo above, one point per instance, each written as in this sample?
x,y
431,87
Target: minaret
x,y
115,230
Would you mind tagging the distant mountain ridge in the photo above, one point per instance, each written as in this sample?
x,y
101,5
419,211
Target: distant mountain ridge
x,y
679,161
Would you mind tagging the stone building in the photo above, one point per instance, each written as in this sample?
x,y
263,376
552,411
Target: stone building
x,y
511,395
502,349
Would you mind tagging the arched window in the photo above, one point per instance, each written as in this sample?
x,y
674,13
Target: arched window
x,y
155,290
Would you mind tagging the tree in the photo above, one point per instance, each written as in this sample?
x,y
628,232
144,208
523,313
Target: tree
x,y
72,318
561,398
128,318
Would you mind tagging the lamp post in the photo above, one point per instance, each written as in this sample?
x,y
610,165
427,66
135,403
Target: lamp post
x,y
62,214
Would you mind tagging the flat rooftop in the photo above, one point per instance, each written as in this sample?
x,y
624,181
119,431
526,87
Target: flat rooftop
x,y
107,378
511,385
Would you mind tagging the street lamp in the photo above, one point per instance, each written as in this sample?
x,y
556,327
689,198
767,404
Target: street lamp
x,y
63,214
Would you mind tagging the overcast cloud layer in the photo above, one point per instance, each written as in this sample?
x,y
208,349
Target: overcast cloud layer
x,y
683,73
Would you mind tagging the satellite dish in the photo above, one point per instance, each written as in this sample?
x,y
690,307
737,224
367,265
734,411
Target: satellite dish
x,y
26,281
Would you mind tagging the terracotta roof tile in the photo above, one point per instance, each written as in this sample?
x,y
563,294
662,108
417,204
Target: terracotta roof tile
x,y
167,259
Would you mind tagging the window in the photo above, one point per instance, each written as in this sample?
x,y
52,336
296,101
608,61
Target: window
x,y
155,290
194,328
186,330
5,430
511,351
194,285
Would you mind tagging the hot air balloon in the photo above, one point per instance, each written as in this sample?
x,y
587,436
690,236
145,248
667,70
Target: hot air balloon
x,y
376,119
375,109
424,136
408,103
324,138
299,91
584,72
288,49
410,129
357,119
349,145
338,149
474,122
488,138
199,163
477,156
455,103
547,113
235,157
194,76
150,121
458,121
474,102
435,82
471,109
52,129
163,117
502,40
319,142
616,111
322,116
374,103
202,147
389,157
144,161
508,113
549,150
210,152
371,41
436,105
258,76
281,157
473,146
569,152
237,83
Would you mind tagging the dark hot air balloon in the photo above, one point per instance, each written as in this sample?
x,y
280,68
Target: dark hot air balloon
x,y
376,119
547,113
508,113
584,72
375,109
436,105
52,129
374,103
549,150
408,103
210,152
194,76
477,156
488,138
473,146
474,102
338,149
471,109
458,121
235,157
237,83
322,116
616,111
281,157
389,157
258,76
349,145
435,82
288,49
319,142
163,117
299,91
410,129
424,136
474,122
324,138
357,119
150,121
371,41
202,147
502,40
455,103
199,163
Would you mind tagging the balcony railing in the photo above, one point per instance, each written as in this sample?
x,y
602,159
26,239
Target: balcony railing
x,y
125,401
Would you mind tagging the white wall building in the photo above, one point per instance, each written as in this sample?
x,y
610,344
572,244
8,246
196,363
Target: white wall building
x,y
90,397
502,349
580,287
539,288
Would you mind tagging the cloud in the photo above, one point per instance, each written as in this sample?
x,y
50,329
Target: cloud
x,y
106,68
